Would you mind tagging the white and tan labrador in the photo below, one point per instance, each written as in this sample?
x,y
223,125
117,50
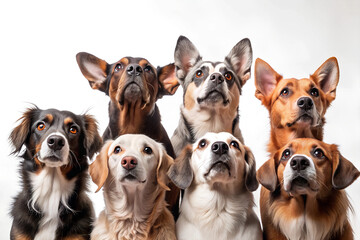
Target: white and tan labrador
x,y
132,172
218,174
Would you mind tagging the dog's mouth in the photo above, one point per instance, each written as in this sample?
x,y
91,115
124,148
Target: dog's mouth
x,y
304,118
130,177
214,96
302,186
219,167
131,92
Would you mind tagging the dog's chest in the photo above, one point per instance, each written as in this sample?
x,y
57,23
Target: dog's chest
x,y
50,189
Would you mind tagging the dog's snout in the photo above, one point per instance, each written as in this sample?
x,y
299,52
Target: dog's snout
x,y
299,163
129,163
134,69
56,142
219,148
305,103
217,78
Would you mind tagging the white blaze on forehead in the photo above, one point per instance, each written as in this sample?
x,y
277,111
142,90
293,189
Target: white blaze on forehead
x,y
219,66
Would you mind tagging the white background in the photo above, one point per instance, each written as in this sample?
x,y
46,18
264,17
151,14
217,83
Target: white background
x,y
39,41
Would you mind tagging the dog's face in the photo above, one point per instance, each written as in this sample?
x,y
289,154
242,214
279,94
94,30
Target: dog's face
x,y
296,103
128,81
306,166
131,161
214,158
56,138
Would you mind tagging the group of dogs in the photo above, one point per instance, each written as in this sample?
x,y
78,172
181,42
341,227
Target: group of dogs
x,y
141,171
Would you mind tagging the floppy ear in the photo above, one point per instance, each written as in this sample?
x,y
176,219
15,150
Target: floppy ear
x,y
19,134
266,175
180,172
344,172
99,169
186,56
164,164
168,81
327,75
266,80
240,58
93,139
94,70
251,182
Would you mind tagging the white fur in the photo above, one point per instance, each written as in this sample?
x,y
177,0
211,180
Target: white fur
x,y
46,152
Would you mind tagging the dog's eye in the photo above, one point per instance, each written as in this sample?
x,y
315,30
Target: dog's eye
x,y
285,92
202,143
147,68
148,150
286,155
40,126
319,153
228,76
73,130
118,67
199,73
314,92
235,145
117,149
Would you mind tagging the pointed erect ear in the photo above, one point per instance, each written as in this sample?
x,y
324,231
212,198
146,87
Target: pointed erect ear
x,y
251,182
164,164
94,70
266,79
180,172
267,176
240,58
99,169
186,56
93,139
168,81
344,172
327,75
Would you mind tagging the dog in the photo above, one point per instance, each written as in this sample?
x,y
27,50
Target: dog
x,y
53,203
132,172
133,86
211,91
296,107
303,196
218,174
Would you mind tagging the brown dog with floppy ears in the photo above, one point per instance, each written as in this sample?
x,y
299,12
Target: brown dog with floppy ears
x,y
296,107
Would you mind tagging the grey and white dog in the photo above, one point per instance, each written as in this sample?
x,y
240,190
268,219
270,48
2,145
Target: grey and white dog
x,y
211,91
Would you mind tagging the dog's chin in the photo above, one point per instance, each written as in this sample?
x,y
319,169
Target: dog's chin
x,y
130,179
213,98
52,161
218,172
303,121
131,93
301,186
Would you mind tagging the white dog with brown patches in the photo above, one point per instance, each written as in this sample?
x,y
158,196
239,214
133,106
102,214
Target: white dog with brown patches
x,y
132,171
218,174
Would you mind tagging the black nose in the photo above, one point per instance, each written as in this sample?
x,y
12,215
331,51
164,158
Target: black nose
x,y
299,163
219,148
56,142
217,78
305,103
134,69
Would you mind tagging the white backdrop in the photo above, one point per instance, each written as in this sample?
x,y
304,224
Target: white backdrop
x,y
39,42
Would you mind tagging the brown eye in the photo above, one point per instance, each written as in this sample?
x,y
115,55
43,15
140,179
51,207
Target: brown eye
x,y
73,130
148,150
228,76
40,126
319,153
286,155
285,92
118,67
147,68
117,149
314,92
199,74
235,145
202,143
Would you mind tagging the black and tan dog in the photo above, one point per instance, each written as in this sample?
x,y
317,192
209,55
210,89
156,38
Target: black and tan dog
x,y
53,203
211,91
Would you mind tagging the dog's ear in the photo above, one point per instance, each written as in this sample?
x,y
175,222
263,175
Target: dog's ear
x,y
93,140
267,176
327,76
99,169
94,70
251,182
266,80
180,172
20,134
344,172
240,58
186,56
164,164
167,79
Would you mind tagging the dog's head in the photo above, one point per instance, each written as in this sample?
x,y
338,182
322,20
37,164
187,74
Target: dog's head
x,y
212,85
131,161
307,166
128,81
292,102
56,138
214,158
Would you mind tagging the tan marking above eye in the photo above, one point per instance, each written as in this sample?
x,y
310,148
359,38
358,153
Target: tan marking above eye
x,y
143,62
49,118
68,121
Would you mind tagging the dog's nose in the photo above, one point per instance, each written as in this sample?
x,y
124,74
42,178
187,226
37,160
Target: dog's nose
x,y
56,142
129,163
134,69
217,78
305,103
219,148
299,163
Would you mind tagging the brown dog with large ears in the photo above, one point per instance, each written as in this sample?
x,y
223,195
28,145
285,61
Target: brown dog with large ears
x,y
132,171
296,106
302,195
